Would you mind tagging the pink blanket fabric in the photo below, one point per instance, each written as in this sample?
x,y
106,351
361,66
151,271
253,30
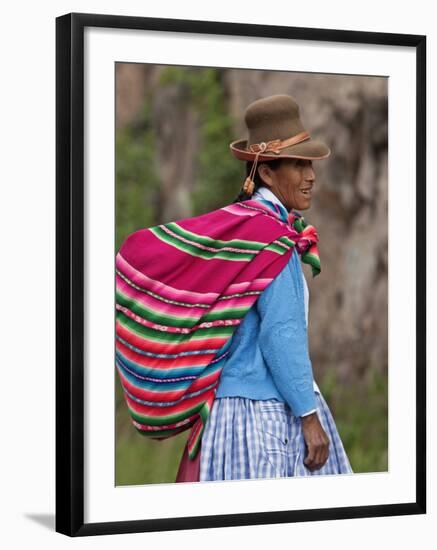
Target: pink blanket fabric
x,y
182,288
189,470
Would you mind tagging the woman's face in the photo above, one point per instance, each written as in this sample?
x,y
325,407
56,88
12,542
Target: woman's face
x,y
292,182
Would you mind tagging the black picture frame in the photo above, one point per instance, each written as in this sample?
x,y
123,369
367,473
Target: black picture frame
x,y
70,272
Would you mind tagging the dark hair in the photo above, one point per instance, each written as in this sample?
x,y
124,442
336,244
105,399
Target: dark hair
x,y
273,164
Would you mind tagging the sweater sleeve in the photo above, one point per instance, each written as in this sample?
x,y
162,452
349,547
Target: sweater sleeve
x,y
283,338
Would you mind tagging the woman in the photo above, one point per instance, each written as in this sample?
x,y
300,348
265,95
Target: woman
x,y
211,323
269,418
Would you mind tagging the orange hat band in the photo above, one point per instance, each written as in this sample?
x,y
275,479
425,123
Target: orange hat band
x,y
276,145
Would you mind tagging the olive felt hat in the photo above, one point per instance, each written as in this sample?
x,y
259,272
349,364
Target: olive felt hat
x,y
275,131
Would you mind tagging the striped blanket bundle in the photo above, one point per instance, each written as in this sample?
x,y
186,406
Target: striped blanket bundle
x,y
182,288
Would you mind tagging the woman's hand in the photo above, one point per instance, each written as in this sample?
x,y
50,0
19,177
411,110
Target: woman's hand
x,y
317,442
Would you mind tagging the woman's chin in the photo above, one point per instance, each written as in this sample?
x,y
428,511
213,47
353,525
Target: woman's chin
x,y
304,205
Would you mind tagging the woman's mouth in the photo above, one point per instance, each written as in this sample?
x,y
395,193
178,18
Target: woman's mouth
x,y
308,192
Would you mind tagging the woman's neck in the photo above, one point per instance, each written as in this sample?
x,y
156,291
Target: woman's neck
x,y
265,193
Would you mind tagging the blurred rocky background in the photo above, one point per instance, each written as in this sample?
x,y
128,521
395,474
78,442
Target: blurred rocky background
x,y
173,129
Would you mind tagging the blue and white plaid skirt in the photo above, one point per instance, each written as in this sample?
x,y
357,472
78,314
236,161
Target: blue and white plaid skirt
x,y
245,439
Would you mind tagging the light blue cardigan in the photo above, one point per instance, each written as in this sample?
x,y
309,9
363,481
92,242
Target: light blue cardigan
x,y
268,352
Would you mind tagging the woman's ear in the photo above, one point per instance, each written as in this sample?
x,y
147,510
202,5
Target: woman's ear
x,y
265,173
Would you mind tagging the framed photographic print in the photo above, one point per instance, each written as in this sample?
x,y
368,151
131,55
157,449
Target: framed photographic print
x,y
241,274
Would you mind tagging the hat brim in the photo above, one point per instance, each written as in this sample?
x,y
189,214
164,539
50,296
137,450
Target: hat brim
x,y
308,150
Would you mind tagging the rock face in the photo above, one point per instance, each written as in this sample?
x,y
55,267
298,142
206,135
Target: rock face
x,y
348,300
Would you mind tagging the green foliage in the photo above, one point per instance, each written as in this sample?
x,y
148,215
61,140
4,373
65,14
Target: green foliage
x,y
136,181
360,411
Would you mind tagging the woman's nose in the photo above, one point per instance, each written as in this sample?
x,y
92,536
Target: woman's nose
x,y
309,174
